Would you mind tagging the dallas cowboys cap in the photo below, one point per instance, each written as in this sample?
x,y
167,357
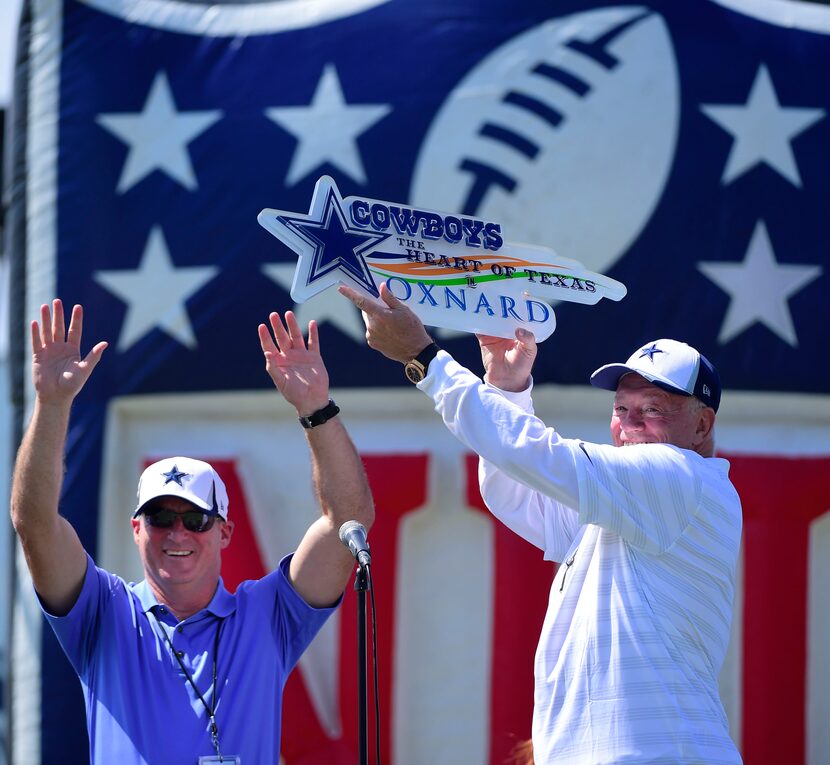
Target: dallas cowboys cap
x,y
668,364
190,479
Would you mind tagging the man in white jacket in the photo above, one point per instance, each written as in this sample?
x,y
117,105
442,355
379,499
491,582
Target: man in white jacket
x,y
647,538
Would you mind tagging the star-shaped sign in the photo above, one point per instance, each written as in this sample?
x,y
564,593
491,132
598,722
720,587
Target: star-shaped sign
x,y
330,249
158,137
174,475
762,130
327,130
650,351
759,289
155,293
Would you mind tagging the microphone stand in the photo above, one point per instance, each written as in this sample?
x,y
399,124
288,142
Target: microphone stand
x,y
361,586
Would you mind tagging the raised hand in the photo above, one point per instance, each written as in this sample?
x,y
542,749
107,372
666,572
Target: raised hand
x,y
297,369
391,327
507,362
58,371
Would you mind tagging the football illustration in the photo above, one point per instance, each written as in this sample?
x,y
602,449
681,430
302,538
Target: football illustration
x,y
565,134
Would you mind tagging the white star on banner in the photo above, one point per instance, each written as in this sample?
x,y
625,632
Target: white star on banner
x,y
155,293
327,130
759,289
326,306
158,137
762,130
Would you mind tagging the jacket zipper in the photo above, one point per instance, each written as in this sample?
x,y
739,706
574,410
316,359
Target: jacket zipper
x,y
568,564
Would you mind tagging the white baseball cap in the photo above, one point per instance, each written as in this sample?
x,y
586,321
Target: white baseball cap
x,y
668,364
190,479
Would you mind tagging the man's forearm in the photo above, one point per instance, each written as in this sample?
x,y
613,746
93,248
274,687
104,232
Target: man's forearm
x,y
56,559
39,468
339,478
502,431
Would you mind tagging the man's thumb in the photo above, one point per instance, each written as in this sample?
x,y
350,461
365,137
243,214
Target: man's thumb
x,y
388,297
527,339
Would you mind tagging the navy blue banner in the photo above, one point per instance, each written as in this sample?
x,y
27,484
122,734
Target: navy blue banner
x,y
681,150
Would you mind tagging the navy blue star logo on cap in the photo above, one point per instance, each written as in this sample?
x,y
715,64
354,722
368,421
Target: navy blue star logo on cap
x,y
174,474
650,351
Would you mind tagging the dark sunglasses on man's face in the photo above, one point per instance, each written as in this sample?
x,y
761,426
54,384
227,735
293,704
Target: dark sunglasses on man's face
x,y
192,520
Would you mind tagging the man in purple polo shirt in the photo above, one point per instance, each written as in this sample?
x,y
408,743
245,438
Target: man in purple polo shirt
x,y
175,669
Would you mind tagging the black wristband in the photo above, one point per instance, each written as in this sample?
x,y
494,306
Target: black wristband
x,y
320,416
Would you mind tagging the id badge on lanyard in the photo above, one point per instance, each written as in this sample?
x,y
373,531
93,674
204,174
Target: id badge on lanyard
x,y
225,759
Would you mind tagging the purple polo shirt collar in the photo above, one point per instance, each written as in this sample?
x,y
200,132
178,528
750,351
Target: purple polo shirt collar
x,y
222,604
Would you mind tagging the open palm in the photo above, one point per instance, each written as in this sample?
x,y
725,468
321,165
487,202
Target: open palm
x,y
58,369
297,369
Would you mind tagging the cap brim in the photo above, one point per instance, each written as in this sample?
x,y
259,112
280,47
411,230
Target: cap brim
x,y
608,378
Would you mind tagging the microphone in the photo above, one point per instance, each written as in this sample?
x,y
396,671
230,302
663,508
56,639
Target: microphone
x,y
353,535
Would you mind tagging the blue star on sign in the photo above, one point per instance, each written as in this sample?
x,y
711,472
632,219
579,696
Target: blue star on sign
x,y
174,474
650,351
328,245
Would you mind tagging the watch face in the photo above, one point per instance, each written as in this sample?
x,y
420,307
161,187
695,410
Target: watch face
x,y
414,371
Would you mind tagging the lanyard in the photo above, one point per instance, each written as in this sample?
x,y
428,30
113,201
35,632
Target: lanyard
x,y
211,710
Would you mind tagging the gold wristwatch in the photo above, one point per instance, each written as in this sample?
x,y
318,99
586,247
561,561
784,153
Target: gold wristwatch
x,y
416,369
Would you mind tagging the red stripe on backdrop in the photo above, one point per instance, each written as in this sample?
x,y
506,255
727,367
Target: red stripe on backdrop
x,y
399,486
522,582
781,496
304,742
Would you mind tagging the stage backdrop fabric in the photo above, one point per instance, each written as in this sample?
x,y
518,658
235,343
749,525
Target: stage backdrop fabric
x,y
681,148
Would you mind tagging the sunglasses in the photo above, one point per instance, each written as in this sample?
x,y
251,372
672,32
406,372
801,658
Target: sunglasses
x,y
192,520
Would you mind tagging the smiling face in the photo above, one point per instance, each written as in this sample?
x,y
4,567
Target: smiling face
x,y
181,566
646,414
